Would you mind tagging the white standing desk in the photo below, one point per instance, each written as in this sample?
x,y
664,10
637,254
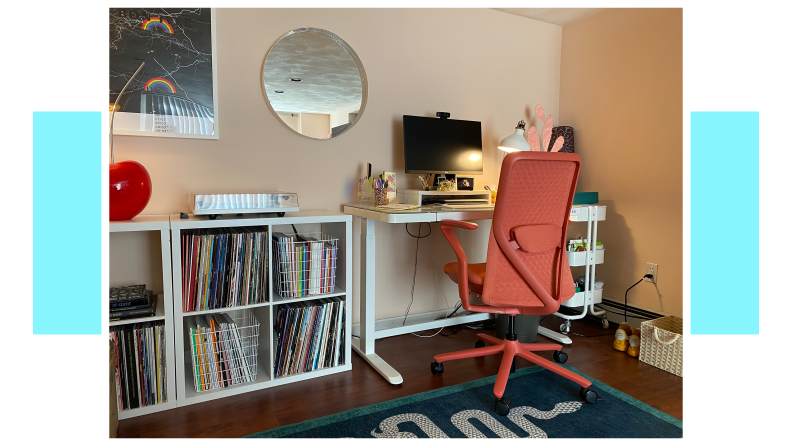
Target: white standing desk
x,y
368,334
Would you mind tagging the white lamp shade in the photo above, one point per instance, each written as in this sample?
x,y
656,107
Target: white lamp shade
x,y
515,142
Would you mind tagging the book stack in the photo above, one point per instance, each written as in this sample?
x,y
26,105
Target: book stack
x,y
306,264
223,352
141,372
223,267
131,302
309,336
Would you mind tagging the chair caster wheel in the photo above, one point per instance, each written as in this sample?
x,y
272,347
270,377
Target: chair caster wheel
x,y
565,327
588,395
605,324
436,368
502,406
560,357
479,343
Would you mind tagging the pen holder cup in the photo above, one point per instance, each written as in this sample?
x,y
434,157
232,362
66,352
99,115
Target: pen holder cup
x,y
372,195
380,197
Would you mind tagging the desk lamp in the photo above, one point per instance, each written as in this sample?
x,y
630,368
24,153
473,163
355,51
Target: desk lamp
x,y
130,183
515,142
519,141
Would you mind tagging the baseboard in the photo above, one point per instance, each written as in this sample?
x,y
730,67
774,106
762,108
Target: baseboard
x,y
614,312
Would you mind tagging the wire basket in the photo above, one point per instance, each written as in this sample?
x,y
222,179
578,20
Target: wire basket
x,y
224,349
661,344
305,264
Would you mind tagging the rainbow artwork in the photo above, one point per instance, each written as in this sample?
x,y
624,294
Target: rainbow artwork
x,y
161,83
157,23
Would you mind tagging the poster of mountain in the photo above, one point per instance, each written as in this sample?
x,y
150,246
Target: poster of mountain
x,y
174,93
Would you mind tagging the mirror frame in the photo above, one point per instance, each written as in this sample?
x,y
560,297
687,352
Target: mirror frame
x,y
348,49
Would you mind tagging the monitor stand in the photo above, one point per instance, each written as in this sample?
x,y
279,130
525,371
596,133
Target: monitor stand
x,y
410,196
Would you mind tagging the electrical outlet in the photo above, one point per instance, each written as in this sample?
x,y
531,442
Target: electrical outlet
x,y
651,268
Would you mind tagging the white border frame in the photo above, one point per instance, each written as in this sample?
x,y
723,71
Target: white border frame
x,y
216,134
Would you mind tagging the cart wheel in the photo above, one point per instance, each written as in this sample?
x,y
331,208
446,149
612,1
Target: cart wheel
x,y
588,395
479,343
281,214
560,357
565,327
436,368
212,216
605,324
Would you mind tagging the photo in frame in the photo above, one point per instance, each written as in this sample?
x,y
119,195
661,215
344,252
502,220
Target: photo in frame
x,y
175,93
464,183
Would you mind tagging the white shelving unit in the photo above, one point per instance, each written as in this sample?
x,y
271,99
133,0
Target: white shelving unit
x,y
335,224
161,224
589,259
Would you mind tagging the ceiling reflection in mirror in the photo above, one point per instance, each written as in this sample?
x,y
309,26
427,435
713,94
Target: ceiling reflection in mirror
x,y
314,83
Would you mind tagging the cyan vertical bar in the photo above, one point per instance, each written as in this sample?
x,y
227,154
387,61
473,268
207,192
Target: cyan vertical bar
x,y
67,223
724,222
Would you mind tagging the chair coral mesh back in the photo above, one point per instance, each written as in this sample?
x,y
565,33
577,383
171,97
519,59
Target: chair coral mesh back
x,y
526,257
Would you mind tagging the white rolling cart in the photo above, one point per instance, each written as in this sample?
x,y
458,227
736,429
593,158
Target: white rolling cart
x,y
587,297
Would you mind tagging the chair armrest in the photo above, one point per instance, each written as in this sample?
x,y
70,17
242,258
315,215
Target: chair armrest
x,y
458,224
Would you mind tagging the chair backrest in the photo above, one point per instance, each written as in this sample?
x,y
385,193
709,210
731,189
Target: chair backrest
x,y
527,266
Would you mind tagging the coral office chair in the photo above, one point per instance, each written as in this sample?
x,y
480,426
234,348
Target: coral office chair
x,y
527,271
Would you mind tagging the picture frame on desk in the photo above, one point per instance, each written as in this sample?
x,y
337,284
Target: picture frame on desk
x,y
465,183
164,100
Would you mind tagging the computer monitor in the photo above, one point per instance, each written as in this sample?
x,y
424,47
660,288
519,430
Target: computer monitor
x,y
437,145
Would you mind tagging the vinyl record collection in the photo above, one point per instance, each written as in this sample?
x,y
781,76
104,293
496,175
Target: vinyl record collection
x,y
309,336
223,267
141,372
305,264
131,302
224,349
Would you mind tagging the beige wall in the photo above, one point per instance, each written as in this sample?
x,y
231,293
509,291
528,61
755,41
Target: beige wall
x,y
621,90
477,64
315,125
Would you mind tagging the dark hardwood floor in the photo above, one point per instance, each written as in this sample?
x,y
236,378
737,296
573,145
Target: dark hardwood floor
x,y
248,413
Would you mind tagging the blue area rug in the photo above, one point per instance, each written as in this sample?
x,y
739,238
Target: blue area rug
x,y
543,405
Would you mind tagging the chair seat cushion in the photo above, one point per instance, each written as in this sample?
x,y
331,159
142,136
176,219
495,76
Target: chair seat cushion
x,y
476,272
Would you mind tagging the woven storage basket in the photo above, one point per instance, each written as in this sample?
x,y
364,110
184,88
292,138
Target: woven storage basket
x,y
661,344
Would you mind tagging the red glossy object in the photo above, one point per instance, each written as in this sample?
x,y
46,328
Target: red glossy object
x,y
130,190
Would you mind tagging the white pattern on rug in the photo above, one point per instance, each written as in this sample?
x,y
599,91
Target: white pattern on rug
x,y
389,427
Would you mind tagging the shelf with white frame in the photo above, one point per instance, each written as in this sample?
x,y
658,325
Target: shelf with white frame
x,y
164,312
335,224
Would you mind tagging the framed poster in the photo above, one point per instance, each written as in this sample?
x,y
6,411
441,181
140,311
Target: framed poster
x,y
175,94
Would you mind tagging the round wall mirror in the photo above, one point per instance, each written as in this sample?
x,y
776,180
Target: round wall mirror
x,y
314,83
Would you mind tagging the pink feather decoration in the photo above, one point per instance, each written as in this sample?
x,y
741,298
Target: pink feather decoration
x,y
533,139
558,144
547,132
540,112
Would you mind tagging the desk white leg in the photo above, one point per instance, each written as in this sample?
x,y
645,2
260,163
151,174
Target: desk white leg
x,y
365,345
554,335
